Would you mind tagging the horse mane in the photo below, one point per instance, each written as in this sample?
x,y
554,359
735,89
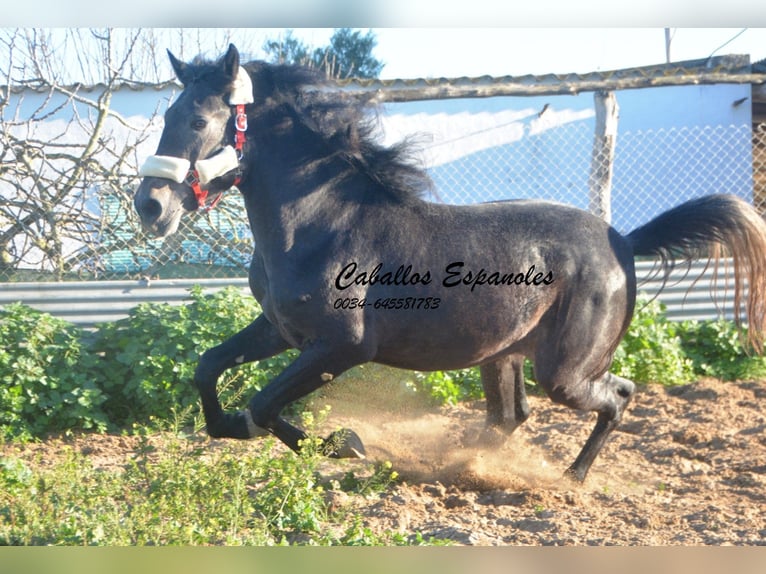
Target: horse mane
x,y
345,124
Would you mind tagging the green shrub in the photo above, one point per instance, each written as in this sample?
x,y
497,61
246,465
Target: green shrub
x,y
46,376
55,377
450,387
148,359
716,350
652,351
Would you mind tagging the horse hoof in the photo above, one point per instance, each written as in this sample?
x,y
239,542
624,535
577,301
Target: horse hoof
x,y
574,475
344,443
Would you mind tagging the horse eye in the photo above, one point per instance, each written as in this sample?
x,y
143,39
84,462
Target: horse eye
x,y
199,124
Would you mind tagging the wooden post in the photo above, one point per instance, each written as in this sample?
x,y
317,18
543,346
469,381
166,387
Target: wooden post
x,y
602,159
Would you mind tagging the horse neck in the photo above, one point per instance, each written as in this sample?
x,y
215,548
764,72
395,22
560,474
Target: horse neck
x,y
283,202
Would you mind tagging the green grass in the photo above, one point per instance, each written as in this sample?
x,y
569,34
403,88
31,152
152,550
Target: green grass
x,y
178,490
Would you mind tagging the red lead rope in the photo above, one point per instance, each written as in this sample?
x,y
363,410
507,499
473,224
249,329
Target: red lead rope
x,y
240,131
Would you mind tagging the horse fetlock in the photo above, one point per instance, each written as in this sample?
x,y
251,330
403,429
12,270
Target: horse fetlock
x,y
575,474
237,425
253,429
260,415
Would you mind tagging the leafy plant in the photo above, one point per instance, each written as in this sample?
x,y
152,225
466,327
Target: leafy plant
x,y
450,387
652,350
148,359
173,490
46,376
715,348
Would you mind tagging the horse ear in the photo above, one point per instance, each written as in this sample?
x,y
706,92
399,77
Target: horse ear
x,y
231,62
179,67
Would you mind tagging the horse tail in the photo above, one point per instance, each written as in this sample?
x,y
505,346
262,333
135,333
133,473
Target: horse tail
x,y
714,227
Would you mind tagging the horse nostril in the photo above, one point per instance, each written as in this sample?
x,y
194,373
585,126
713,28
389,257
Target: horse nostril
x,y
152,209
148,208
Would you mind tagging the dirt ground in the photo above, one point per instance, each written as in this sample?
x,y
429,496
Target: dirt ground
x,y
686,467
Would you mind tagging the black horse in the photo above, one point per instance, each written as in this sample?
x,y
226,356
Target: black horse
x,y
351,265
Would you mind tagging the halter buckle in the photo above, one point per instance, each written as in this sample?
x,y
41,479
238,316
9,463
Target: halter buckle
x,y
192,178
240,121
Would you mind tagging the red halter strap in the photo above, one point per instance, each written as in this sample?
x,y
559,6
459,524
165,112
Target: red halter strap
x,y
192,179
240,129
240,133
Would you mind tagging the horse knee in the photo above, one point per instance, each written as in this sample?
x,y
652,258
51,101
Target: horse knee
x,y
207,371
608,395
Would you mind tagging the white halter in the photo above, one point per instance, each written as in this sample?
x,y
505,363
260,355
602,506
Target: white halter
x,y
205,170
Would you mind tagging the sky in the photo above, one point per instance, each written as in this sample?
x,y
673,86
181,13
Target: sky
x,y
453,38
455,52
433,52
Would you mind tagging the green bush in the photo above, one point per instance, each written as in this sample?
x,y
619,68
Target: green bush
x,y
148,359
450,387
46,376
715,348
652,351
56,377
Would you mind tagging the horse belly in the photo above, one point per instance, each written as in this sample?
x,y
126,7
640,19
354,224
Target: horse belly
x,y
457,334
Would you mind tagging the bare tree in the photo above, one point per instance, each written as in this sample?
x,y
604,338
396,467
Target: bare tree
x,y
62,147
69,159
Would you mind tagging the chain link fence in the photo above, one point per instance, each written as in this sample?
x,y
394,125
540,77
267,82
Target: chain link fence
x,y
653,170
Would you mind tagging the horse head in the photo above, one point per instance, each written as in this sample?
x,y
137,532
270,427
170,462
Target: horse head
x,y
201,144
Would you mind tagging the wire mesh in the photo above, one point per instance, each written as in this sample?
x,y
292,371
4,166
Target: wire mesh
x,y
653,170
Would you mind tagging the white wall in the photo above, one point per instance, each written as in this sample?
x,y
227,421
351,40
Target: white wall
x,y
673,143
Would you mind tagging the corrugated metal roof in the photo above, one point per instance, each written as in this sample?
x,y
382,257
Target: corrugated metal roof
x,y
733,64
731,68
86,303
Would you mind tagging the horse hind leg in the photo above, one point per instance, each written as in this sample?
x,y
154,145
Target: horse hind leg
x,y
619,393
507,407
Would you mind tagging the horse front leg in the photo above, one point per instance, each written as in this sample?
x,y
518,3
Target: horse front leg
x,y
314,367
614,394
257,341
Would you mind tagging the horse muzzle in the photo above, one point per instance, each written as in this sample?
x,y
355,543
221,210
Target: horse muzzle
x,y
160,204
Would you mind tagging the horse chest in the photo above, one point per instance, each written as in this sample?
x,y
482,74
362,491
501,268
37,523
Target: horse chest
x,y
288,313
